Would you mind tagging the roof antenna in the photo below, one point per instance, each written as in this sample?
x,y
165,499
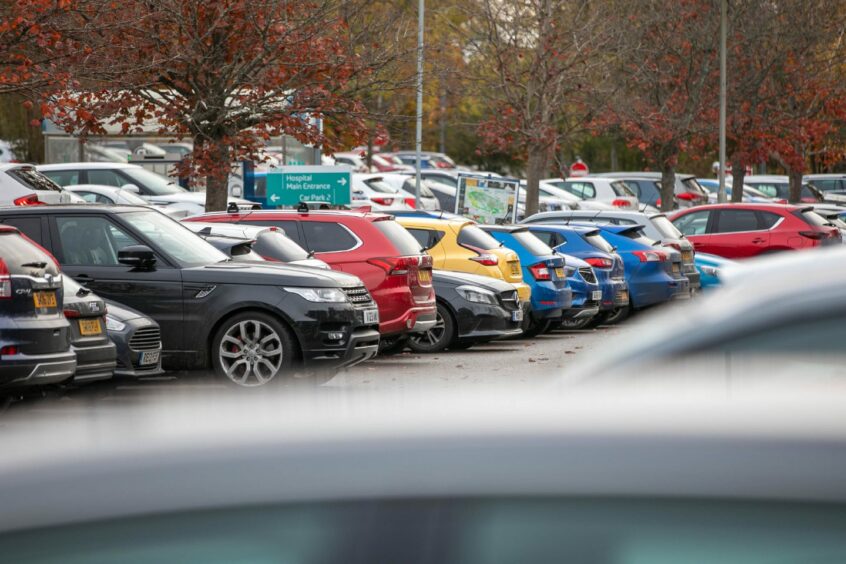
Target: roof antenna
x,y
232,208
302,207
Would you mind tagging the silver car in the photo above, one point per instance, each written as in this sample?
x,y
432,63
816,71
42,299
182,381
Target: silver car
x,y
22,185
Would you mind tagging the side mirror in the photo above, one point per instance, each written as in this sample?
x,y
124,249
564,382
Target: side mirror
x,y
140,257
131,188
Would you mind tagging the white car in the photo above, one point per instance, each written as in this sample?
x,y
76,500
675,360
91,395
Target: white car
x,y
575,203
271,243
372,190
152,187
23,185
109,195
406,183
604,190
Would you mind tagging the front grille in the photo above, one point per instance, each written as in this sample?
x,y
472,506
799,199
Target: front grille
x,y
588,274
146,339
510,300
358,295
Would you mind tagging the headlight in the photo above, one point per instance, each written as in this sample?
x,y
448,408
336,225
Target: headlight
x,y
113,324
333,295
477,295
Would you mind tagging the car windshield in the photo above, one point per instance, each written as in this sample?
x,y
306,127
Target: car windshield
x,y
473,236
176,240
155,184
622,190
275,245
598,242
532,244
666,228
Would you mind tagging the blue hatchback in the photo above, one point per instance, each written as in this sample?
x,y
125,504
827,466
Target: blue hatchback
x,y
587,244
543,270
587,293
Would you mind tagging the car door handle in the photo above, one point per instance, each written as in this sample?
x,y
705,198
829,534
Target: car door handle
x,y
759,240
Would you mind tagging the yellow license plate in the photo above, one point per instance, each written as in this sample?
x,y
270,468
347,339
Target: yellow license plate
x,y
676,268
44,299
90,326
515,269
424,276
687,256
559,272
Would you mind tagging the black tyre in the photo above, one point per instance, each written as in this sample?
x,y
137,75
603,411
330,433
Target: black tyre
x,y
464,345
438,337
393,345
598,319
617,315
252,349
536,328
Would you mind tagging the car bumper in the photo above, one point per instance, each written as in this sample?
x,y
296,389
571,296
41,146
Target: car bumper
x,y
524,291
588,309
615,293
413,320
477,322
693,278
22,370
362,344
95,363
550,301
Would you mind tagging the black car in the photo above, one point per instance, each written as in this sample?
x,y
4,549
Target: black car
x,y
34,334
250,322
471,310
95,352
138,341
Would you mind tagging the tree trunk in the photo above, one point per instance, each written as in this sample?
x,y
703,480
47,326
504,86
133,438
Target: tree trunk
x,y
738,177
795,177
217,175
668,187
535,169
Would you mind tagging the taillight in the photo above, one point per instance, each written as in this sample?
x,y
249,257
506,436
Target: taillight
x,y
31,200
9,350
782,201
71,313
676,246
650,256
411,202
687,196
598,262
487,259
383,201
620,203
658,202
540,272
395,266
5,281
815,235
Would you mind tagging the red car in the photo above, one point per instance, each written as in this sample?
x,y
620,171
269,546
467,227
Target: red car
x,y
745,230
371,246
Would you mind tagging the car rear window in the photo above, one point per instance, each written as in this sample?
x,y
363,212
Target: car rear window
x,y
597,241
473,236
693,186
813,218
33,179
532,243
404,241
639,236
409,186
666,228
327,237
275,245
621,189
379,185
17,251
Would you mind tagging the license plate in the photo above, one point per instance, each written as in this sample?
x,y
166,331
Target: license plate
x,y
559,272
149,357
687,256
596,296
90,326
517,315
676,268
515,269
371,316
424,276
44,299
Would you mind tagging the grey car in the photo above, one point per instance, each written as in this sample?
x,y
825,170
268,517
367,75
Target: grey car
x,y
138,341
429,478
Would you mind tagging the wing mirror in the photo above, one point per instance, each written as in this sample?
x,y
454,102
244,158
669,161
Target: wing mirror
x,y
139,257
131,188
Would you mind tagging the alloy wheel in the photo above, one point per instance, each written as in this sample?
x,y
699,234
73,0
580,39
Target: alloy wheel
x,y
251,353
434,336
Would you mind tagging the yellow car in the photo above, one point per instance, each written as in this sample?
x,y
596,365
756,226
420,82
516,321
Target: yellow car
x,y
461,246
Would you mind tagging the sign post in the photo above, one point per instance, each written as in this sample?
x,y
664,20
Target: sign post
x,y
291,185
487,199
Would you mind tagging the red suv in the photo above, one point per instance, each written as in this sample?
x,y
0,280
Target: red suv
x,y
746,230
371,246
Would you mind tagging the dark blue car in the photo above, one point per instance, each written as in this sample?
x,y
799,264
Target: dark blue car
x,y
587,293
543,270
587,244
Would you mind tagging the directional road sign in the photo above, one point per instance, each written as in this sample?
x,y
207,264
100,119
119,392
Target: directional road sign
x,y
290,185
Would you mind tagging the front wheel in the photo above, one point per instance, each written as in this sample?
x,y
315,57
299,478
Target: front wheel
x,y
251,349
438,337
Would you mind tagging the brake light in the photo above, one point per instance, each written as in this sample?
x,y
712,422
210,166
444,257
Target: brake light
x,y
487,259
383,201
396,266
31,200
782,201
687,196
411,202
650,256
658,202
9,350
5,281
540,272
599,262
676,246
620,203
71,313
815,235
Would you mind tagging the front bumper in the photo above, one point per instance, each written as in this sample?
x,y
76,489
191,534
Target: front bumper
x,y
23,370
362,344
484,322
524,291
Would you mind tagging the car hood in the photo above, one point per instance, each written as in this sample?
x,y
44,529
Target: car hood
x,y
123,313
198,198
270,274
310,262
452,279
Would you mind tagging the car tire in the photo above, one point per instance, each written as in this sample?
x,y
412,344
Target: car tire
x,y
393,345
252,349
464,345
617,315
438,337
599,319
536,327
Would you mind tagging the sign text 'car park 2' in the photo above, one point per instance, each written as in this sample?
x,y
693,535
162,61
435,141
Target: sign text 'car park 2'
x,y
290,185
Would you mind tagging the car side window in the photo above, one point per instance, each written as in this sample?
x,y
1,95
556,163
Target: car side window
x,y
767,220
105,178
423,237
583,190
733,221
545,236
770,190
29,226
326,237
91,241
693,223
63,177
827,184
289,226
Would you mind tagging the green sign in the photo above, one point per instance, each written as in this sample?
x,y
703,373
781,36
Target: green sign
x,y
290,185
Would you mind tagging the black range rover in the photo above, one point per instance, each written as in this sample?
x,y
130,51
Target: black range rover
x,y
249,322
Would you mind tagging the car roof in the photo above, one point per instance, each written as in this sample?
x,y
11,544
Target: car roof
x,y
744,205
75,209
505,228
369,216
577,227
88,166
430,222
